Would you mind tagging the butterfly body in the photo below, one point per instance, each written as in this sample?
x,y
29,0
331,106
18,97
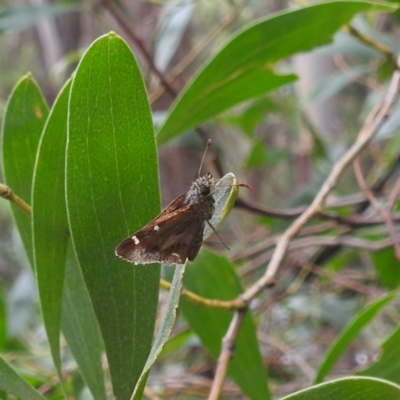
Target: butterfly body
x,y
177,233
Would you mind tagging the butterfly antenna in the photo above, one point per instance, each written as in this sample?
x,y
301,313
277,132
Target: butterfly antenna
x,y
204,155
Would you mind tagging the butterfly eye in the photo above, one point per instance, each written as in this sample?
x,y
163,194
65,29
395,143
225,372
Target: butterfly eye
x,y
205,190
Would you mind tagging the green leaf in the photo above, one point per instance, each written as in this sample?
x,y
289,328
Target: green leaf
x,y
49,221
24,119
112,190
352,330
225,194
388,267
388,365
349,389
12,383
164,330
213,277
244,67
80,328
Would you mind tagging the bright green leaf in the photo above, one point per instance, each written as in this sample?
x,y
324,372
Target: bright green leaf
x,y
354,388
112,190
24,119
244,67
349,333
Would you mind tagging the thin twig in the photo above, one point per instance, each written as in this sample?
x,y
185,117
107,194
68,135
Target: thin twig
x,y
365,136
114,11
194,53
8,194
394,194
384,214
285,349
232,305
326,241
347,283
227,349
381,48
378,115
345,68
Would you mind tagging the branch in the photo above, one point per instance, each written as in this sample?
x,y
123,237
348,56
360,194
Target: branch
x,y
8,194
376,118
228,347
381,48
384,214
183,64
114,11
232,305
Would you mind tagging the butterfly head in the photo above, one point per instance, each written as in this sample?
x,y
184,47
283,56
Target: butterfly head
x,y
200,191
202,185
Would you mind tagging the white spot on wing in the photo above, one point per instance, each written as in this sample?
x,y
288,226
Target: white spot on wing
x,y
135,239
176,255
156,228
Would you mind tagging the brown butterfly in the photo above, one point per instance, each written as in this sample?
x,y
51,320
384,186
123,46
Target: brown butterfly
x,y
177,233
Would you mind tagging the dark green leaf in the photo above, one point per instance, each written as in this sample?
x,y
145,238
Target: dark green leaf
x,y
112,190
388,365
244,67
388,267
80,328
49,220
24,119
349,389
348,335
213,277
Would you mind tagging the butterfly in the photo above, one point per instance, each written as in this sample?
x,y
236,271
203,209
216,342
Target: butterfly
x,y
177,233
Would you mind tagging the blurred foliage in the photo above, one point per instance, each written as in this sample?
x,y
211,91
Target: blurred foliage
x,y
283,96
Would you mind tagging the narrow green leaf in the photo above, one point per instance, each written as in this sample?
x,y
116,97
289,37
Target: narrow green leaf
x,y
24,119
112,190
213,277
12,383
354,388
164,330
80,328
49,221
388,365
352,330
244,67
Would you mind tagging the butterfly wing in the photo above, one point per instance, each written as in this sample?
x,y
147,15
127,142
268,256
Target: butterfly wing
x,y
171,238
